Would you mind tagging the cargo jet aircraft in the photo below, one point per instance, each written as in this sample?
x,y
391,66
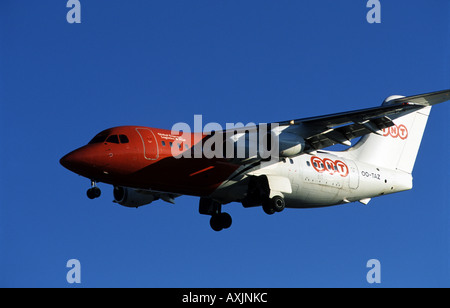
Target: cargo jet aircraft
x,y
146,164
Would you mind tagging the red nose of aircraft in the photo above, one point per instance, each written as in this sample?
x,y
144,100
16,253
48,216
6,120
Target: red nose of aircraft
x,y
78,161
74,159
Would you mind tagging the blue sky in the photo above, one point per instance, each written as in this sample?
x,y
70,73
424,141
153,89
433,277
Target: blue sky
x,y
155,63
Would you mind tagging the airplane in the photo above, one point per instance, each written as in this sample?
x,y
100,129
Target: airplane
x,y
146,164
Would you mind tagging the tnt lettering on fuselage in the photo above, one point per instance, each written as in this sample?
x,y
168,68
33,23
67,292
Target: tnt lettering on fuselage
x,y
329,166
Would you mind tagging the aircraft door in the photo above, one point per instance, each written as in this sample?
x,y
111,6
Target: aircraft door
x,y
151,149
354,175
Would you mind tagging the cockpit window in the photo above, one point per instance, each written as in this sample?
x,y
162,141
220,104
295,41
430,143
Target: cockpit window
x,y
113,139
99,138
103,137
123,139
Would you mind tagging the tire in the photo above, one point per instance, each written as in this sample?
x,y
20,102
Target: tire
x,y
90,193
268,208
97,192
278,203
216,223
225,220
93,193
220,221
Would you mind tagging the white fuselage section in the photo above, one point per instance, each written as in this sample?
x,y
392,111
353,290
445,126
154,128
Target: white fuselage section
x,y
317,182
324,179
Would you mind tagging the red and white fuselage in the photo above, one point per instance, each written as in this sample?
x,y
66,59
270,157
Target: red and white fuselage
x,y
145,164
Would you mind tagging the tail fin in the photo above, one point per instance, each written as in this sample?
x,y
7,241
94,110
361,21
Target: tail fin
x,y
395,147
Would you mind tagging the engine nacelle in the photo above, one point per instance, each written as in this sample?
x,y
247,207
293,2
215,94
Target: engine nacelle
x,y
290,144
249,145
130,197
391,98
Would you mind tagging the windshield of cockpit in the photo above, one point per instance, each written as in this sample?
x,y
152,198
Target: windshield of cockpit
x,y
105,137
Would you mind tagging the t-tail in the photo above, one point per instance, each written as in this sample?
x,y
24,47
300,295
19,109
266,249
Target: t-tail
x,y
396,147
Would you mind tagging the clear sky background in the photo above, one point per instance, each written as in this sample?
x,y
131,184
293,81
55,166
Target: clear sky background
x,y
155,63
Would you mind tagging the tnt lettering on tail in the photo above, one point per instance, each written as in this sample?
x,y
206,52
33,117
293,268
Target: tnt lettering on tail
x,y
395,131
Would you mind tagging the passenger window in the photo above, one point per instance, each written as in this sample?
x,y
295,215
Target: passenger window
x,y
123,139
163,143
113,139
179,146
308,164
170,143
186,146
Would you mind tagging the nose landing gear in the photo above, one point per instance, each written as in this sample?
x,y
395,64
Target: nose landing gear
x,y
94,191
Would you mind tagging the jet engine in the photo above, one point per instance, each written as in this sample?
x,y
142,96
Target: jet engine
x,y
290,144
388,100
250,145
130,197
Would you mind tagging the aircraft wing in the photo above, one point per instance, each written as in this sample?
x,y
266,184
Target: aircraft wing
x,y
339,128
324,131
427,99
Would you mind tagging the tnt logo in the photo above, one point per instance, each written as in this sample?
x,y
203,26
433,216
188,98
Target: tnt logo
x,y
330,166
395,131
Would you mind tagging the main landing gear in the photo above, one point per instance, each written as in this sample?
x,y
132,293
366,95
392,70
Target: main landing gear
x,y
274,204
94,191
219,220
259,193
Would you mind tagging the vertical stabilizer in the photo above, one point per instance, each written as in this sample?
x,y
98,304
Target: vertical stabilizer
x,y
395,147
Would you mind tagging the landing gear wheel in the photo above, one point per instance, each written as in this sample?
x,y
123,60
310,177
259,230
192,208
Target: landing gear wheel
x,y
215,223
268,208
225,220
220,221
276,204
93,192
